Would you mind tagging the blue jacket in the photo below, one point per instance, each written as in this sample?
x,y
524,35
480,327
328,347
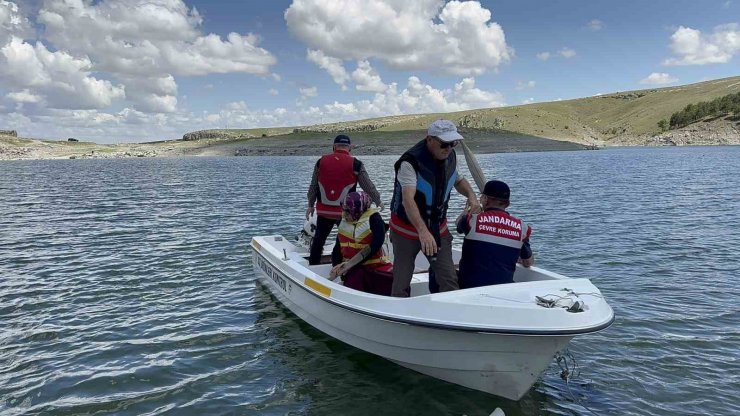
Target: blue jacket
x,y
494,241
434,182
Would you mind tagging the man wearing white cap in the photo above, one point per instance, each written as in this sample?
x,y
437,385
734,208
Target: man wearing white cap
x,y
425,176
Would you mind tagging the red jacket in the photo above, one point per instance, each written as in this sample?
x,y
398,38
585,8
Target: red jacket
x,y
336,178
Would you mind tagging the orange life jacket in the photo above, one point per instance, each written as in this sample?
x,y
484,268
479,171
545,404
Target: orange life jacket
x,y
354,236
336,179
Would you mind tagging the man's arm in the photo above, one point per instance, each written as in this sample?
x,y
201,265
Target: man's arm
x,y
463,187
377,226
463,222
426,239
363,179
313,190
526,257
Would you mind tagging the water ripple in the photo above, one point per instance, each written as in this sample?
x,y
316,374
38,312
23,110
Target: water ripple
x,y
127,288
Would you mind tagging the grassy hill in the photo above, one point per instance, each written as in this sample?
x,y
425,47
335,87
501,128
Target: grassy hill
x,y
620,118
615,118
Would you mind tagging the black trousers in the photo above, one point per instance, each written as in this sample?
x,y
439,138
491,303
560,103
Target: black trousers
x,y
323,228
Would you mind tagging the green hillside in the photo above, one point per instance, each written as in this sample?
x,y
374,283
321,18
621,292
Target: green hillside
x,y
608,119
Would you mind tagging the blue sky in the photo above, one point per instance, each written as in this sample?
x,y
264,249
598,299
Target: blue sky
x,y
136,70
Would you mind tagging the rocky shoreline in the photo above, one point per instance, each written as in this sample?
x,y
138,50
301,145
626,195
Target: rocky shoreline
x,y
723,131
713,132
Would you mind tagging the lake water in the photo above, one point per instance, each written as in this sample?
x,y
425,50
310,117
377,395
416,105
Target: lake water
x,y
126,287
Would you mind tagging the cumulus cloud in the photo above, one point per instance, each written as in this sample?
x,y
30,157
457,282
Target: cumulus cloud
x,y
564,52
691,47
595,25
333,66
416,97
273,92
455,37
134,125
307,92
367,79
525,85
56,76
145,37
529,100
152,94
134,48
12,22
24,96
657,78
567,52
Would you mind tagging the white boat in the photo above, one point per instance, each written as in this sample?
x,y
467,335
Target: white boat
x,y
497,339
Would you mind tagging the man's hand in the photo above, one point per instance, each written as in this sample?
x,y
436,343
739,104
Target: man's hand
x,y
338,270
527,262
428,245
381,207
309,212
474,206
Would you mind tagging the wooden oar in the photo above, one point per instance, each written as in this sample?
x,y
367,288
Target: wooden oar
x,y
478,176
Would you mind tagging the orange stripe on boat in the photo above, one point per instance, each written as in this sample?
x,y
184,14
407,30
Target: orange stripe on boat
x,y
317,287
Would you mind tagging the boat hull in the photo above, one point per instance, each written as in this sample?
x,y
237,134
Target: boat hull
x,y
505,365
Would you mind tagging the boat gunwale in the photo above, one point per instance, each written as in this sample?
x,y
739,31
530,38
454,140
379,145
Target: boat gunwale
x,y
457,328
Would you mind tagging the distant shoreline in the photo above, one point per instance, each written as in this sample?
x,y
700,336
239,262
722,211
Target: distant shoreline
x,y
294,144
481,141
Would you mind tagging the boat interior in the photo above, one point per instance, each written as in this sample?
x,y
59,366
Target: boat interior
x,y
298,251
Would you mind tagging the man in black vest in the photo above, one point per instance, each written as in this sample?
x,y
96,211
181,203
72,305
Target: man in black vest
x,y
425,176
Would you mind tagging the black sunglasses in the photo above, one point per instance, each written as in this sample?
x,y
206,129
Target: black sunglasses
x,y
445,145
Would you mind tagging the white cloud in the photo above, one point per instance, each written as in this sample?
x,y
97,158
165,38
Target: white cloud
x,y
307,92
63,80
12,22
468,96
564,52
333,66
727,4
367,79
529,100
694,48
525,85
567,52
657,78
416,97
237,106
134,48
133,125
24,96
149,37
152,94
273,92
454,37
595,25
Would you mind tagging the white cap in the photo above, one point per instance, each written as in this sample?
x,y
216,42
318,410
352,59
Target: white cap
x,y
445,130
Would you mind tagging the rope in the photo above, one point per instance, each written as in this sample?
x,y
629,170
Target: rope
x,y
567,372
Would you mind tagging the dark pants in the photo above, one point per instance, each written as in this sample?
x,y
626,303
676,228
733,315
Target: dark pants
x,y
369,280
323,228
404,256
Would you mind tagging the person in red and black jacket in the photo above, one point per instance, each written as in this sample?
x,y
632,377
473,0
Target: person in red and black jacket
x,y
494,241
335,175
